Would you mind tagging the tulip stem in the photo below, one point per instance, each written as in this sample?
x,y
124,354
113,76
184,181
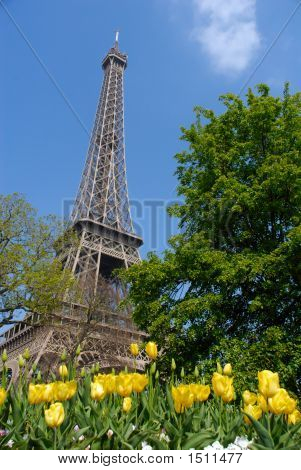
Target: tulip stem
x,y
55,438
269,424
220,412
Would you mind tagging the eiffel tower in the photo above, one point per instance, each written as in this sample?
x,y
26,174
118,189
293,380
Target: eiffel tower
x,y
101,217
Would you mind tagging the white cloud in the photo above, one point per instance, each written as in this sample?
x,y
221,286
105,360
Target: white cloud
x,y
227,32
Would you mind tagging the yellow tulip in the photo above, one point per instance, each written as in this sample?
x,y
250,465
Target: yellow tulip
x,y
110,383
48,393
64,390
183,397
294,417
227,369
281,402
124,385
127,404
35,394
134,348
268,383
71,389
229,394
63,371
151,350
249,398
222,387
200,392
261,401
3,395
55,415
101,378
60,391
98,391
139,382
220,383
253,410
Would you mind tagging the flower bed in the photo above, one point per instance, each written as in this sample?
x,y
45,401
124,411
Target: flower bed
x,y
139,411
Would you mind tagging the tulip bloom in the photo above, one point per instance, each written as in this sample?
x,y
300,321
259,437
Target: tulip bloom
x,y
36,394
110,383
55,415
253,410
222,387
139,382
151,350
183,397
124,385
72,389
3,395
281,402
261,401
227,369
63,371
268,383
294,417
48,393
134,348
64,390
200,392
127,404
97,391
228,395
249,398
101,378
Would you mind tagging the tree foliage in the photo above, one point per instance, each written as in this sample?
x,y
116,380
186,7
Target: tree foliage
x,y
232,278
32,278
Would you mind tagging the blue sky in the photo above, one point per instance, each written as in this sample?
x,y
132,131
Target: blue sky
x,y
182,53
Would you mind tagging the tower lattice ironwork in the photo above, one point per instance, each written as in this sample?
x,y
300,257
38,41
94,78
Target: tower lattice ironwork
x,y
101,213
101,217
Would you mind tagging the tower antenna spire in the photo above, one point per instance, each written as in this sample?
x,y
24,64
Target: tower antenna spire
x,y
116,38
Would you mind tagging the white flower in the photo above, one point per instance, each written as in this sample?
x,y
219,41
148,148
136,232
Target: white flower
x,y
76,428
133,427
242,442
10,443
110,433
88,448
216,446
146,446
164,437
25,437
81,438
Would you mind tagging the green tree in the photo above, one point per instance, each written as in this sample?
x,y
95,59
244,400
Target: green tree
x,y
232,278
32,278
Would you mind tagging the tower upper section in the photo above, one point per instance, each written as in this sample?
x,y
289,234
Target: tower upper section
x,y
103,196
114,56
